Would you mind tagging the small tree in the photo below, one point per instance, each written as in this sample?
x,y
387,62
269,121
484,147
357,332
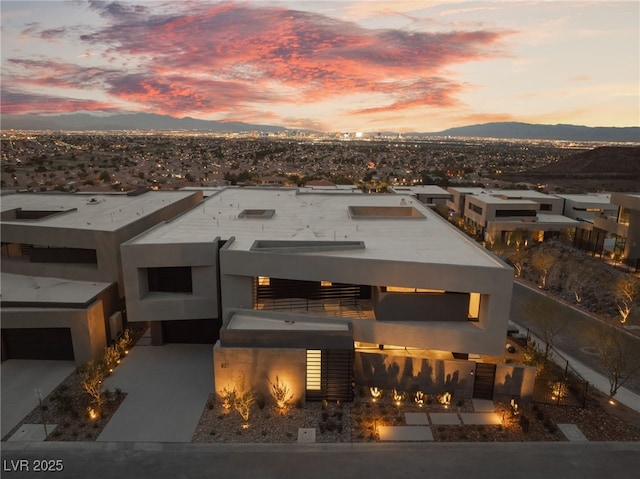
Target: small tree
x,y
545,315
542,261
626,289
619,357
520,237
91,379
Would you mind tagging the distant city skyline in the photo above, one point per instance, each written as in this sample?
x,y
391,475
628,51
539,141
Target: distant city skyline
x,y
327,65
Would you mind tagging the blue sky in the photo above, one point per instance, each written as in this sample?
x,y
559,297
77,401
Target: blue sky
x,y
329,65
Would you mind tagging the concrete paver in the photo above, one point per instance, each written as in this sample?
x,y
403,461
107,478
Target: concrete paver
x,y
480,418
307,434
444,419
405,433
167,388
20,379
483,405
416,418
572,432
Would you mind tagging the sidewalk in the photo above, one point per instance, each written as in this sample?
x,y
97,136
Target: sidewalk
x,y
596,380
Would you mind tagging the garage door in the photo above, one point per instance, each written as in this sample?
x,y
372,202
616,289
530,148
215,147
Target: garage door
x,y
194,331
37,343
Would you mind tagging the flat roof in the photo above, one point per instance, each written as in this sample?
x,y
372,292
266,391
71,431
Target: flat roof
x,y
543,220
258,322
17,288
588,198
100,212
512,194
330,189
496,200
324,217
421,190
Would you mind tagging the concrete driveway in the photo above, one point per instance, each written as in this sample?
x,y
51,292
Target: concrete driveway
x,y
167,388
20,378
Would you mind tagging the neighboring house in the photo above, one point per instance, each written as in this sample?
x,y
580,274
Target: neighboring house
x,y
59,319
498,214
427,194
585,208
623,227
289,284
54,244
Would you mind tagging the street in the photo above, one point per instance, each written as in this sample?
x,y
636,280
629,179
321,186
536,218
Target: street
x,y
310,461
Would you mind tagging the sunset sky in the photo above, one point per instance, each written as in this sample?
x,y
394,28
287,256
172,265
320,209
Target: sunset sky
x,y
328,65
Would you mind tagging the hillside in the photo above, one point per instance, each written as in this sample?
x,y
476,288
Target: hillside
x,y
607,168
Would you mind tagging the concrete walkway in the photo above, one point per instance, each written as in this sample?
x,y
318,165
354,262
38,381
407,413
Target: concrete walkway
x,y
167,388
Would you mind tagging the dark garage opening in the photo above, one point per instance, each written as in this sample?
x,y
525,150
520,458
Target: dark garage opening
x,y
37,343
191,331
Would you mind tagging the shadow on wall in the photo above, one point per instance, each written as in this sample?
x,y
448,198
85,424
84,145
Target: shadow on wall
x,y
405,373
514,381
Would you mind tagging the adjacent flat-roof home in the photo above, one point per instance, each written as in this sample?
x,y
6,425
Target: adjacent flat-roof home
x,y
62,289
290,284
624,227
498,214
427,194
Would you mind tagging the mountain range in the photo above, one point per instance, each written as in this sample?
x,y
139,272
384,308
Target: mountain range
x,y
126,121
527,131
149,121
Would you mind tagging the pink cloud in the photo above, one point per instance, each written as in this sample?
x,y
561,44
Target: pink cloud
x,y
228,56
15,102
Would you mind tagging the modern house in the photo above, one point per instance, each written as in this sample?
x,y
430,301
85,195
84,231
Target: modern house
x,y
623,227
498,214
318,289
62,289
586,208
427,194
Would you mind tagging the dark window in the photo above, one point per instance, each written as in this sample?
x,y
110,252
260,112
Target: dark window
x,y
49,254
505,213
546,207
475,208
170,279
